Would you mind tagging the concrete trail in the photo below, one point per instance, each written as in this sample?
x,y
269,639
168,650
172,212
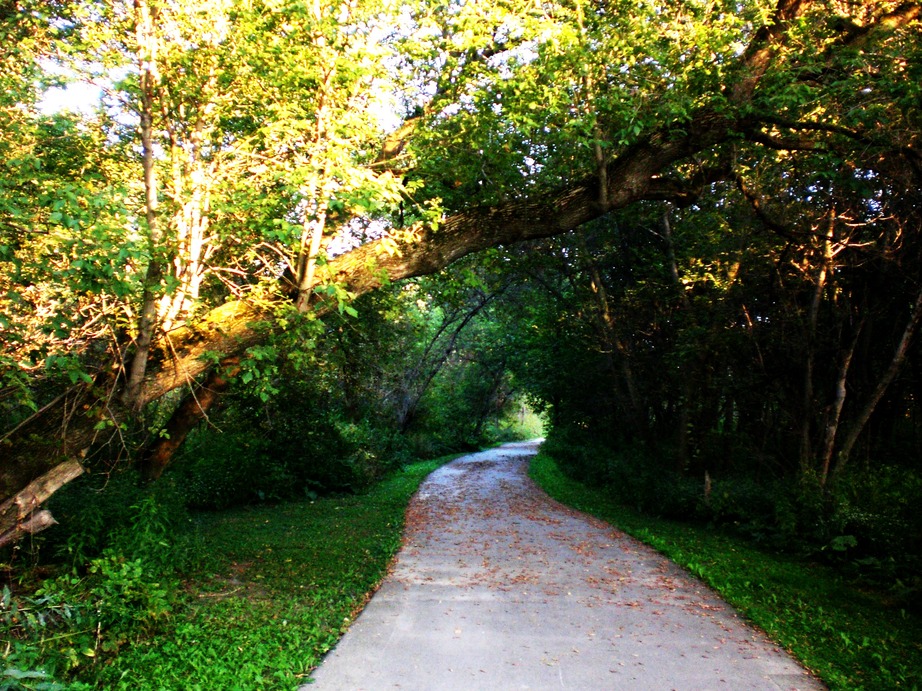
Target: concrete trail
x,y
500,587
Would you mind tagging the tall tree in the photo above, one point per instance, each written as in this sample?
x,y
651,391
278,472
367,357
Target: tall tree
x,y
531,121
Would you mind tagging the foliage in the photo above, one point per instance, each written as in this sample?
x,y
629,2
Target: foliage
x,y
851,636
70,620
105,578
113,513
120,617
221,469
697,367
740,344
865,524
279,147
417,373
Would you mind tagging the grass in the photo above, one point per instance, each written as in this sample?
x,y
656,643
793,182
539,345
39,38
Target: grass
x,y
852,638
281,585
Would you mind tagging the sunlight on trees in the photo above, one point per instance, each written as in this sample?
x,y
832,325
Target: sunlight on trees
x,y
297,243
731,189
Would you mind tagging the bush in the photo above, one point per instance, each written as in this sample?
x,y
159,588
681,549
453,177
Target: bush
x,y
740,502
629,475
867,520
218,469
115,512
129,597
120,549
579,456
70,621
31,626
879,507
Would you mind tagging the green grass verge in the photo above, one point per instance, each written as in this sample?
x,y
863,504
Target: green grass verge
x,y
850,637
281,586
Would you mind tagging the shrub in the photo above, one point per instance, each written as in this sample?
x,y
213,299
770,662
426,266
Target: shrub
x,y
866,520
740,502
47,635
879,506
128,598
115,512
71,620
218,469
121,547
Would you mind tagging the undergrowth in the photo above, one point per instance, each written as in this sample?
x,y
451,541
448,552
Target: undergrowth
x,y
269,593
851,637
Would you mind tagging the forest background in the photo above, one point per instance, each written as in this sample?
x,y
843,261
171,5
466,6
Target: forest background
x,y
291,246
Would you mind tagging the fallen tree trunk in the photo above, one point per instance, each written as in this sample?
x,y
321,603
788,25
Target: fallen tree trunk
x,y
185,354
633,177
193,409
19,515
66,430
62,431
229,329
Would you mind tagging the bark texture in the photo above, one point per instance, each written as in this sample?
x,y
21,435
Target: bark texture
x,y
228,330
19,515
634,176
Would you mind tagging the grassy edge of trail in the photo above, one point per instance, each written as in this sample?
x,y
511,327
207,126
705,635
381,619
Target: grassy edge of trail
x,y
280,586
850,637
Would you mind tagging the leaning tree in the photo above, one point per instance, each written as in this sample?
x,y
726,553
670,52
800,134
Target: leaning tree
x,y
246,177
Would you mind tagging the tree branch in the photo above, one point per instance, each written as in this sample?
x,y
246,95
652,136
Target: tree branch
x,y
896,363
856,36
781,143
810,126
638,173
19,515
755,202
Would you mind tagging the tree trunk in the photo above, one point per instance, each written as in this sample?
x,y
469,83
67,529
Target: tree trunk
x,y
191,190
613,342
685,417
411,399
227,330
193,409
64,429
896,363
806,440
315,212
147,321
632,177
637,174
835,414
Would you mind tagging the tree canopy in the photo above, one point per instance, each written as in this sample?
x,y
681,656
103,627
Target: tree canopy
x,y
251,166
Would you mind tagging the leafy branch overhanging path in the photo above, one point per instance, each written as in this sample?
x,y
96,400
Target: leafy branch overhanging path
x,y
49,447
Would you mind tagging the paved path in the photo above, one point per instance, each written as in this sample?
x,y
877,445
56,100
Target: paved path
x,y
500,587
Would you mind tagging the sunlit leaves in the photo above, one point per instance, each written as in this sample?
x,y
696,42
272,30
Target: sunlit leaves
x,y
67,259
270,116
538,97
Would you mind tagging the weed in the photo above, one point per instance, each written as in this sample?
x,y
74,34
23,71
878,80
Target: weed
x,y
280,586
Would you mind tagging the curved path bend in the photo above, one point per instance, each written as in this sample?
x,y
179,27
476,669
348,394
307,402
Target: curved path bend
x,y
500,587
